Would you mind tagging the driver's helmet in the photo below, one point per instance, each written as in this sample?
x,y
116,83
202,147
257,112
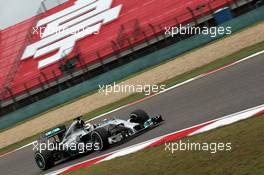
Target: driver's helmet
x,y
80,123
89,127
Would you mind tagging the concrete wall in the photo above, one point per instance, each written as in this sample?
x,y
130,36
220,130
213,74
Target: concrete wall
x,y
126,70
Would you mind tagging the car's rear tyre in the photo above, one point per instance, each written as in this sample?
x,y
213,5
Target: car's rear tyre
x,y
44,159
100,139
139,116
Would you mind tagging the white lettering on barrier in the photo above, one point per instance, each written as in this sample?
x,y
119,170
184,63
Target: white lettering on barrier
x,y
66,27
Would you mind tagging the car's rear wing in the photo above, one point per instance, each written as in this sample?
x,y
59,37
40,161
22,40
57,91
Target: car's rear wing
x,y
55,131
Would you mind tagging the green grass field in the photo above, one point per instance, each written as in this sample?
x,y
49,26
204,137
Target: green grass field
x,y
178,79
245,158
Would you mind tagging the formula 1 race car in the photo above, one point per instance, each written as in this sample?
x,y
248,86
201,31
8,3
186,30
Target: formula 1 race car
x,y
60,143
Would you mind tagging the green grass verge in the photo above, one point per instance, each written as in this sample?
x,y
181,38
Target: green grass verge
x,y
178,79
245,158
183,77
128,77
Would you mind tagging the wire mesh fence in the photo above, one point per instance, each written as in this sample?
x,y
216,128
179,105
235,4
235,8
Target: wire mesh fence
x,y
130,33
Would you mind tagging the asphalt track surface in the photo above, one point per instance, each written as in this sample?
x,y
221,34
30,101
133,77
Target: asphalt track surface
x,y
233,89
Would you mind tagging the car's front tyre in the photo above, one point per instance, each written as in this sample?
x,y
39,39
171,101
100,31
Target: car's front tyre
x,y
100,139
139,116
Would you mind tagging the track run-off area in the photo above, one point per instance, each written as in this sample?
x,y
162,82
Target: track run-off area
x,y
219,93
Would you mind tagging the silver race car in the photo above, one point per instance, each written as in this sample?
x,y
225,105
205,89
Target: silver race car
x,y
60,143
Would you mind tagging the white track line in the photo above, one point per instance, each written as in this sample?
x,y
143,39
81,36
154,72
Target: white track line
x,y
212,124
165,90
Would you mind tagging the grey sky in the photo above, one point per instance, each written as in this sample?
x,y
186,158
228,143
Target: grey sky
x,y
15,11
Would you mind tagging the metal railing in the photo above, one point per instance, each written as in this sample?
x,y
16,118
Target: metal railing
x,y
44,6
127,38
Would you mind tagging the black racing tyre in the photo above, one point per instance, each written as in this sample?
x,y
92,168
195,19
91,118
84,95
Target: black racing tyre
x,y
139,116
44,159
100,136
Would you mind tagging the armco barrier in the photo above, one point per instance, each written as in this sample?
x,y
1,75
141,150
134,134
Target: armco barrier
x,y
154,58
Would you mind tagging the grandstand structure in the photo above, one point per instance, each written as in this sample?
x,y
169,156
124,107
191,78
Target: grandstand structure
x,y
138,31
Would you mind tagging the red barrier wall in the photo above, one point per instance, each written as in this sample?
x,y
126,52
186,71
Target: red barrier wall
x,y
20,75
